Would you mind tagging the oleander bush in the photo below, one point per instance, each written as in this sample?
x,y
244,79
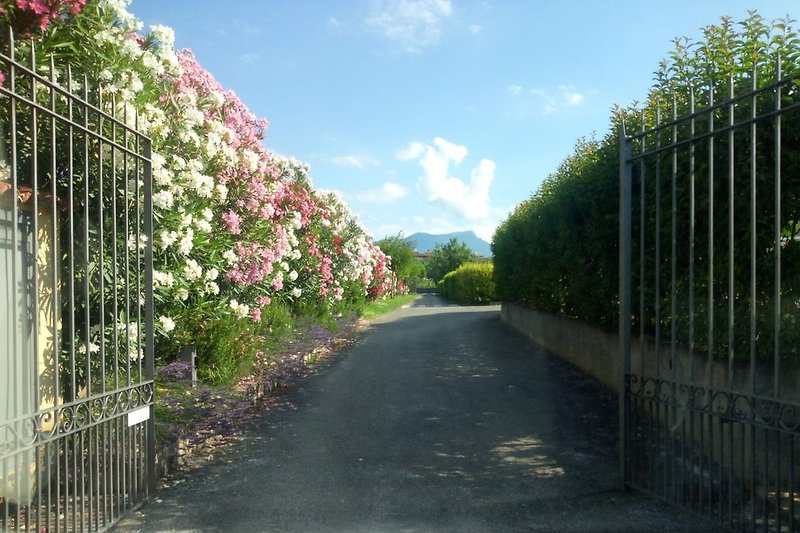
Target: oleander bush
x,y
238,231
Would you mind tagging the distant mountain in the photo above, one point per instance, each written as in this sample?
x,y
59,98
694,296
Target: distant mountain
x,y
425,242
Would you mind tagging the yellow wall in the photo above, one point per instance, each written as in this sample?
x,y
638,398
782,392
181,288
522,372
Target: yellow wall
x,y
20,365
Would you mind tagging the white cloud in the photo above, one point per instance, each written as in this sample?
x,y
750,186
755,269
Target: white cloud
x,y
570,96
550,101
485,228
389,192
475,29
355,161
414,24
412,151
485,231
470,200
385,230
249,58
240,27
440,225
456,152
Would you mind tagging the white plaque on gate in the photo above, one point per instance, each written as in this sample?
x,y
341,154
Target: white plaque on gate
x,y
139,415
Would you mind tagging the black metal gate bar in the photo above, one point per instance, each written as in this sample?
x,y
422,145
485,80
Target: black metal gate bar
x,y
76,411
625,295
710,421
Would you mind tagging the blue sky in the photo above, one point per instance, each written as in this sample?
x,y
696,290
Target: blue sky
x,y
436,115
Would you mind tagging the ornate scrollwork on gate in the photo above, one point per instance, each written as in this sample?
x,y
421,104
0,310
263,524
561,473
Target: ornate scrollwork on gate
x,y
25,433
728,405
721,404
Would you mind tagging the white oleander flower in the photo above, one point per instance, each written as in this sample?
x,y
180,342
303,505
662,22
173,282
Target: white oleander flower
x,y
167,238
163,199
187,242
230,256
163,279
167,324
203,225
192,270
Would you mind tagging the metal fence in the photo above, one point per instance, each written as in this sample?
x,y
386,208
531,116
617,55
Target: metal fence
x,y
710,300
76,324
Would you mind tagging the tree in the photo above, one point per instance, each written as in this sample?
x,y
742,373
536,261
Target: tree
x,y
404,261
446,258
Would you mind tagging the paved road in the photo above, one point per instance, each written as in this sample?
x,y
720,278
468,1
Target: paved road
x,y
440,418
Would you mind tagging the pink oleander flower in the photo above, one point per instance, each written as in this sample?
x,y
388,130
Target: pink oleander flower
x,y
40,13
254,265
255,315
248,129
325,270
232,221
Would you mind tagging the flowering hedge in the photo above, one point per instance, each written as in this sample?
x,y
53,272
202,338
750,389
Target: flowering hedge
x,y
237,229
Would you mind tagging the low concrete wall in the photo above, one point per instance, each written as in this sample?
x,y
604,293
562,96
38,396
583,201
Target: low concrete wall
x,y
596,353
592,351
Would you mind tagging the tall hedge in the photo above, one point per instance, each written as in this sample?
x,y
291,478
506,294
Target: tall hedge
x,y
558,250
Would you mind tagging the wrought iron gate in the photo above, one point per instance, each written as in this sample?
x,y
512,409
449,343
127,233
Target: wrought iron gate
x,y
710,301
76,325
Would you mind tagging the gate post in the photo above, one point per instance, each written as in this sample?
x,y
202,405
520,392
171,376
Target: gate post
x,y
625,178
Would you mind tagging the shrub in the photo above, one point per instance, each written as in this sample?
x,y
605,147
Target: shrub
x,y
227,348
470,283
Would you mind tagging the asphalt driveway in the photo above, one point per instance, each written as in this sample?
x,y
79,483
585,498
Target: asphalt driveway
x,y
440,418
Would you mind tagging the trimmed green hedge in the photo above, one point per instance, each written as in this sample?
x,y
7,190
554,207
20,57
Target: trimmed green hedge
x,y
469,284
558,250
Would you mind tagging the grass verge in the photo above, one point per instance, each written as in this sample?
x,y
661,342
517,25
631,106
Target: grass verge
x,y
381,307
